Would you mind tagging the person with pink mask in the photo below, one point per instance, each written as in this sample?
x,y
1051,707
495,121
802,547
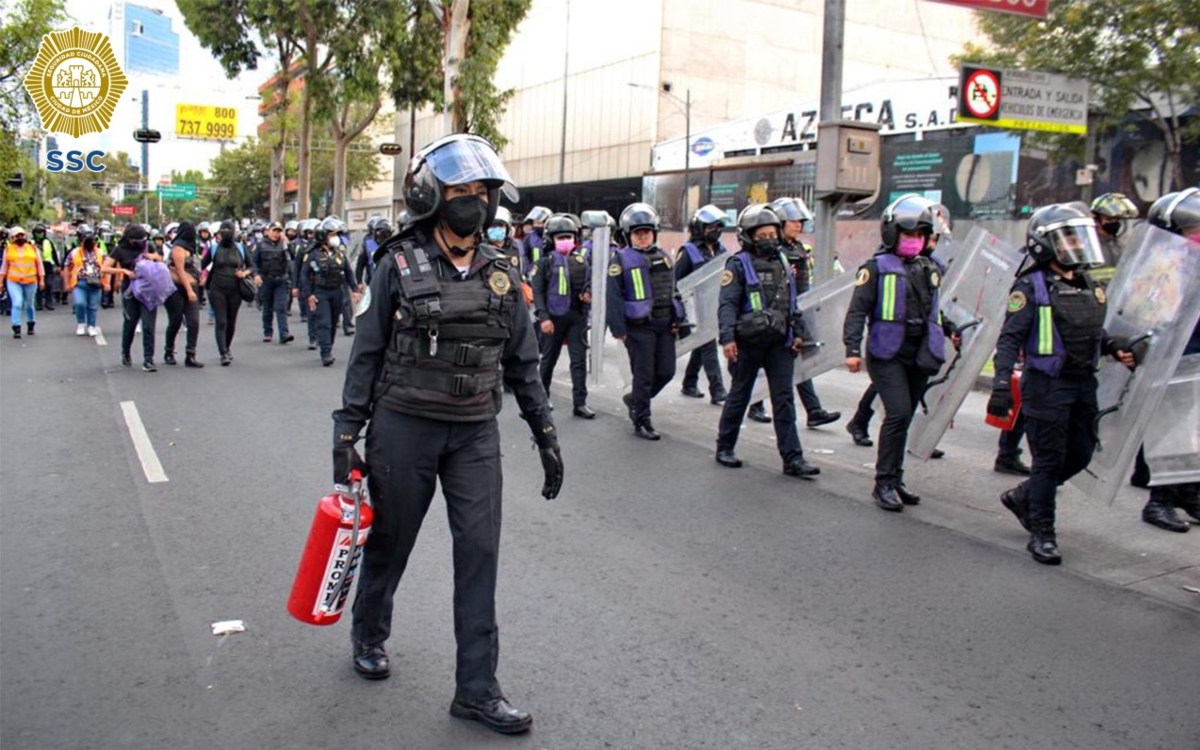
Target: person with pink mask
x,y
896,297
562,296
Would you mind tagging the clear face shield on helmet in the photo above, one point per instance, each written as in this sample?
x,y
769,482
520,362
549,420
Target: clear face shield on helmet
x,y
469,160
1075,243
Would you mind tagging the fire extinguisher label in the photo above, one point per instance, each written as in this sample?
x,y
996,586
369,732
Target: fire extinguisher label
x,y
343,564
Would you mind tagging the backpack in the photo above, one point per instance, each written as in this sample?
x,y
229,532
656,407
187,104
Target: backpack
x,y
153,283
89,271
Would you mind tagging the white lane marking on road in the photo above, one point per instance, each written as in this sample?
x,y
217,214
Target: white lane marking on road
x,y
141,443
100,337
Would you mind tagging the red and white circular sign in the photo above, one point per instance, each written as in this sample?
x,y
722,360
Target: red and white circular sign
x,y
982,97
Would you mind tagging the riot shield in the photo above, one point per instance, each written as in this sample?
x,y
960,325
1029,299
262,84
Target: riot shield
x,y
1173,446
701,294
1153,300
973,297
824,308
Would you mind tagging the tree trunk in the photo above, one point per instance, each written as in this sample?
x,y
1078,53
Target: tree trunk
x,y
343,135
455,28
279,151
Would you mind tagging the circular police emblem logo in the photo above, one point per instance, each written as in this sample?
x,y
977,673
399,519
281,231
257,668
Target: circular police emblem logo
x,y
863,277
499,283
726,277
579,259
75,82
614,269
935,279
1101,295
1016,302
516,262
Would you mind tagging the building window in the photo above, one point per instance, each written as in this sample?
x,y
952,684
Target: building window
x,y
138,28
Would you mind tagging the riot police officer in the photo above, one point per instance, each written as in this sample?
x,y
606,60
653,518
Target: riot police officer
x,y
272,260
433,346
896,293
562,292
533,245
797,219
644,312
704,244
1056,316
1178,213
378,230
761,329
51,263
322,277
1112,213
304,244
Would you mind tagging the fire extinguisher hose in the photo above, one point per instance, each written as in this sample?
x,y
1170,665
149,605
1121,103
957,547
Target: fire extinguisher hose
x,y
356,491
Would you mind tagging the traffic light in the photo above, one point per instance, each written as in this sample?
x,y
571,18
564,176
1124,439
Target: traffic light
x,y
390,149
146,135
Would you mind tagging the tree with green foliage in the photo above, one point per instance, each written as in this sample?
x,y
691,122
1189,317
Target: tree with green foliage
x,y
1141,56
25,22
245,172
78,191
492,23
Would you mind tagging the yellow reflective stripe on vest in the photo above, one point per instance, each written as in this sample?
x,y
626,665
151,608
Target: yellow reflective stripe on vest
x,y
639,286
563,289
1045,341
889,297
755,301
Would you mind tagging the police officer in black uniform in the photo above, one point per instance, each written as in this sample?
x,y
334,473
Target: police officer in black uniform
x,y
272,261
1058,387
562,293
304,245
896,292
797,219
443,327
761,329
378,230
322,277
644,312
1178,213
704,244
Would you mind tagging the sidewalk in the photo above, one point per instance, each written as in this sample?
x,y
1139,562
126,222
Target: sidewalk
x,y
960,492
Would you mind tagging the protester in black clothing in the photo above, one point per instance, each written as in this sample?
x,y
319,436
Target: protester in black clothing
x,y
185,302
227,267
121,262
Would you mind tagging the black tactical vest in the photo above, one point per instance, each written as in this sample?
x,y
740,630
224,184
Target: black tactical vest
x,y
273,260
443,360
1079,317
662,284
329,268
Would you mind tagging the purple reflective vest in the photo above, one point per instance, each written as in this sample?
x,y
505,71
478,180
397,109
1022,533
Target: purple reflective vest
x,y
754,297
694,254
636,270
889,320
558,286
1044,350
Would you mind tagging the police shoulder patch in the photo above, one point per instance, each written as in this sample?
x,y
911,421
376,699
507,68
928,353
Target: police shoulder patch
x,y
1101,295
499,283
1016,302
614,269
863,277
935,279
726,277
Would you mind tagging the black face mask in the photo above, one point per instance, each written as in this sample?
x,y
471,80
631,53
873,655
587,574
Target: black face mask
x,y
766,247
465,215
712,235
1113,228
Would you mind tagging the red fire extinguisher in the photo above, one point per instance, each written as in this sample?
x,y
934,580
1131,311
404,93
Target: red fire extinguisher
x,y
331,555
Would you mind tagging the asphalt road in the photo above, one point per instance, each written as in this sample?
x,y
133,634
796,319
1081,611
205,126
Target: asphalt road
x,y
661,602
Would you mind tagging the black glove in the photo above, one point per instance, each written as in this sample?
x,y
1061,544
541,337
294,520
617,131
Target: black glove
x,y
685,330
1001,402
552,466
346,460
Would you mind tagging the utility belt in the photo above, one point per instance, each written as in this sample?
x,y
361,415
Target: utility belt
x,y
460,355
761,328
444,382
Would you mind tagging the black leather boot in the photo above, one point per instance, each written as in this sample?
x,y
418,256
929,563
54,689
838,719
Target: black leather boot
x,y
886,498
819,417
16,332
729,458
1043,545
1160,510
645,430
191,361
858,433
371,661
1018,504
169,357
798,467
906,497
758,413
1187,499
496,714
30,326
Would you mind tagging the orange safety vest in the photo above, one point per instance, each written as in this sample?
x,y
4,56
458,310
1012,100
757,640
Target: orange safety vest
x,y
75,265
23,263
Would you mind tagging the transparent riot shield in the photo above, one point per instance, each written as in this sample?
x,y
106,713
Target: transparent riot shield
x,y
701,294
973,297
824,308
1173,445
1153,301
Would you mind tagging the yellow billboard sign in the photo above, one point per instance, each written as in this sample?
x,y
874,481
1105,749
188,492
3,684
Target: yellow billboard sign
x,y
206,122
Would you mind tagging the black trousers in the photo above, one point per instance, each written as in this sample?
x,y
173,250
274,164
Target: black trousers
x,y
651,348
226,301
275,294
407,457
900,384
808,396
329,309
178,309
862,415
571,328
1009,447
780,366
347,310
1059,424
136,312
47,296
705,356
